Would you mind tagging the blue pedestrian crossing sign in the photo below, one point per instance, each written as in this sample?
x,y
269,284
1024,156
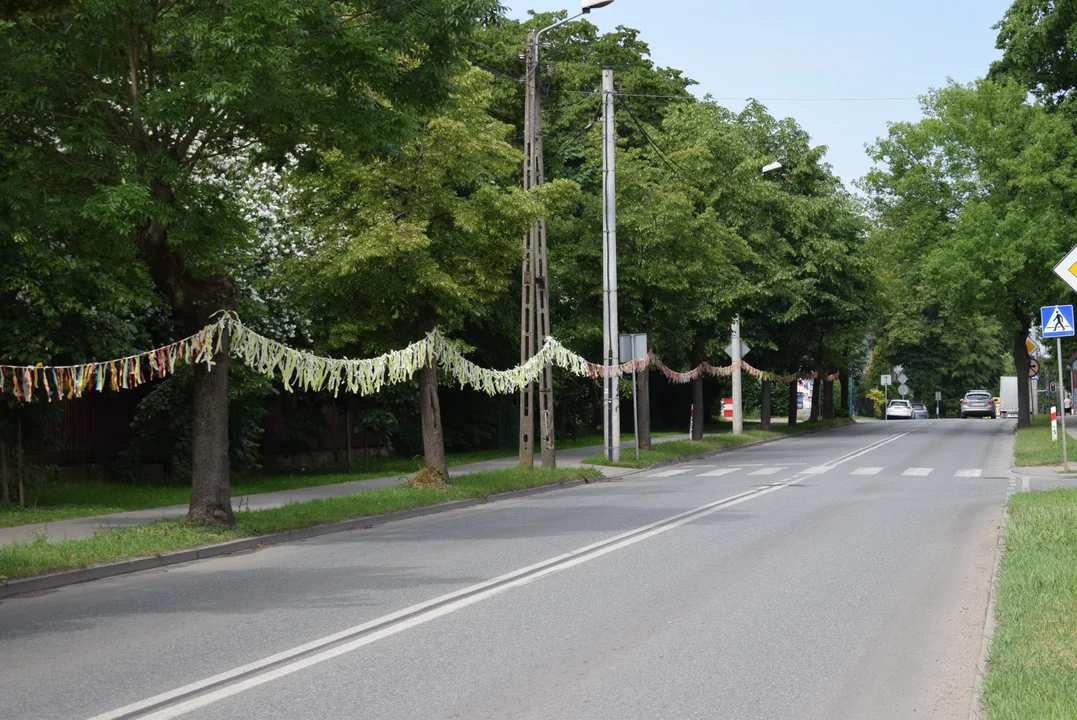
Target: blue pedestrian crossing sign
x,y
1057,321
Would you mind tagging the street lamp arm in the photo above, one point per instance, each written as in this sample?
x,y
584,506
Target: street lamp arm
x,y
538,35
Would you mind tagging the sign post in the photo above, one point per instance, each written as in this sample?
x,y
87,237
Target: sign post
x,y
635,346
1057,322
885,381
938,399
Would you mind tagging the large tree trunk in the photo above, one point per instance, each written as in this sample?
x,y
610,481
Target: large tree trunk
x,y
793,393
1021,363
644,399
697,409
433,439
843,378
196,299
816,397
764,402
828,399
211,491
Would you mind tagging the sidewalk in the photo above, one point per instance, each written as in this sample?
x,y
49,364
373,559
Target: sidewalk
x,y
85,527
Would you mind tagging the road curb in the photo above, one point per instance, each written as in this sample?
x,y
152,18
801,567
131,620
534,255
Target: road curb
x,y
64,578
52,581
720,451
977,710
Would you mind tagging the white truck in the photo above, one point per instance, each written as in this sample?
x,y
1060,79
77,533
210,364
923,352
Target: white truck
x,y
1007,396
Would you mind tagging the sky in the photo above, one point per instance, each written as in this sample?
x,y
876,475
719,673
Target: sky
x,y
807,60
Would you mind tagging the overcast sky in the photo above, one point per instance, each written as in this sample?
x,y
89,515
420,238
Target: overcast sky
x,y
826,63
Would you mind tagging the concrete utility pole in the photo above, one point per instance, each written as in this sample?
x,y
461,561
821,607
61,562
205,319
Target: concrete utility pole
x,y
738,409
611,423
534,301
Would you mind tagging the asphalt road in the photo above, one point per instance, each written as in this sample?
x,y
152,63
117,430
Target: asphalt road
x,y
838,575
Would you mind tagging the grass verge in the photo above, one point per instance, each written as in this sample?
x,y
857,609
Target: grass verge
x,y
677,449
40,556
1033,661
1034,446
56,501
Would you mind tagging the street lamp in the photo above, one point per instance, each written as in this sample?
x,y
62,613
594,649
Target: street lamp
x,y
772,167
535,306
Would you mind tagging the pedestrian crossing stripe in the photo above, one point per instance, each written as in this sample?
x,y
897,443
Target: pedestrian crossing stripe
x,y
968,473
920,472
867,471
671,473
767,471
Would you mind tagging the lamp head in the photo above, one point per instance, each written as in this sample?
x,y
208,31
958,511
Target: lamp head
x,y
772,167
588,5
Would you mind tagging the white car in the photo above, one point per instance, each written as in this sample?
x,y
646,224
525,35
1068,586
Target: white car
x,y
899,409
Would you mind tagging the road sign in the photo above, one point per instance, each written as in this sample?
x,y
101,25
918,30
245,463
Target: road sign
x,y
744,349
903,389
902,379
1067,269
886,380
1031,347
938,396
1057,321
1033,367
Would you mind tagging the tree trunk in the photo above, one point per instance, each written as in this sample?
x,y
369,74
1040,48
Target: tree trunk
x,y
843,378
644,399
697,409
1021,363
211,490
433,439
5,493
19,462
764,402
816,398
828,400
196,299
792,416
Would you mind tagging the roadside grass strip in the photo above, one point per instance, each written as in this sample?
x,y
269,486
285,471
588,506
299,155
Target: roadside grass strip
x,y
1034,446
682,449
55,501
40,555
1033,657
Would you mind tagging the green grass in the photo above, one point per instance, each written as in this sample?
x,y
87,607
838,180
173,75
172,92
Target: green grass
x,y
39,556
1033,660
1035,447
677,449
63,501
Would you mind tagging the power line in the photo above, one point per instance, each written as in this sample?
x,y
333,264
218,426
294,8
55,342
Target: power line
x,y
692,98
672,165
580,134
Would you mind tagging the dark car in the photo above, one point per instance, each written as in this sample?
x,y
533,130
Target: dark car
x,y
919,411
978,403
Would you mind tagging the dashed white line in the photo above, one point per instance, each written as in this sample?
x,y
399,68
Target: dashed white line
x,y
969,473
867,471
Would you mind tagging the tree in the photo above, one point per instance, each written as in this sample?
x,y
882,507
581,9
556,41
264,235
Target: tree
x,y
980,187
124,103
421,240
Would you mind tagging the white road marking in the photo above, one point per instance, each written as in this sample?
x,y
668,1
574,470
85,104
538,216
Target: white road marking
x,y
719,472
1025,481
968,473
918,471
817,470
670,473
424,612
767,471
867,471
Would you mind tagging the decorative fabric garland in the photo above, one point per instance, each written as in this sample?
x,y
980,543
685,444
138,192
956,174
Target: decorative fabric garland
x,y
306,371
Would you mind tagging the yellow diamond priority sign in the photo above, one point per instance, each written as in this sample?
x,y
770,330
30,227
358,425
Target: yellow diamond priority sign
x,y
1067,269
